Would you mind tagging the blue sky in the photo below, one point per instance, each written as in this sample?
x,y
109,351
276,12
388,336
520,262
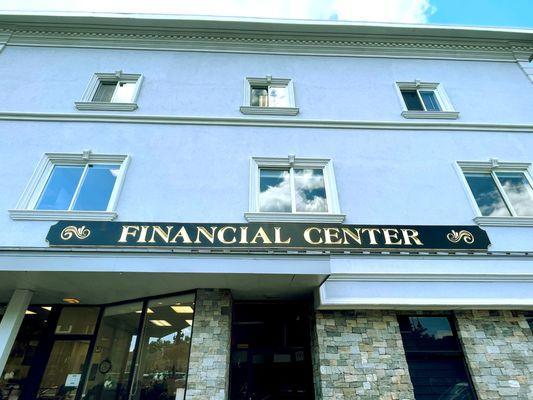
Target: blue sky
x,y
507,13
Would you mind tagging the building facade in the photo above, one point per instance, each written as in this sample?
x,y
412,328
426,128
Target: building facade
x,y
248,209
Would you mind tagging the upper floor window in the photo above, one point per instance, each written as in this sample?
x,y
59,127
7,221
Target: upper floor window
x,y
111,91
425,100
293,189
73,186
271,96
502,192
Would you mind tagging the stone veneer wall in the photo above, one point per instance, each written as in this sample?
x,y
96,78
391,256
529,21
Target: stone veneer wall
x,y
498,347
359,355
209,362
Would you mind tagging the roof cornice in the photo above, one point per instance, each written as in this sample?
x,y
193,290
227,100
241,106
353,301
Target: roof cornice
x,y
157,32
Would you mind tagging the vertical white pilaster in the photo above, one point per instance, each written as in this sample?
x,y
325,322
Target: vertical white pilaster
x,y
11,321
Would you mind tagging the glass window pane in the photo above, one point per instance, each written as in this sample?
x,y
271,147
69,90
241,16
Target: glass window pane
x,y
310,190
278,96
274,190
77,320
430,100
488,198
62,375
14,377
111,362
427,333
518,190
97,187
60,187
124,92
164,353
105,91
259,97
412,102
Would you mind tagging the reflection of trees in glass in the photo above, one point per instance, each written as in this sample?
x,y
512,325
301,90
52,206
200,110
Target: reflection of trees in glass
x,y
168,355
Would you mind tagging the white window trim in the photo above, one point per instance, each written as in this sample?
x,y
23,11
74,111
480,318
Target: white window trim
x,y
25,208
247,109
87,104
447,110
491,167
332,216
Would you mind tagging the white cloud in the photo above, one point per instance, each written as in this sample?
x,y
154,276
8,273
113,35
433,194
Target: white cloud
x,y
409,11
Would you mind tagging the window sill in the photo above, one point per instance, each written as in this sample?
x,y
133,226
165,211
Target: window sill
x,y
104,106
56,215
430,114
251,110
504,221
293,217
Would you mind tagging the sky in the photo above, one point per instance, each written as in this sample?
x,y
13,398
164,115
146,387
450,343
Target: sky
x,y
503,13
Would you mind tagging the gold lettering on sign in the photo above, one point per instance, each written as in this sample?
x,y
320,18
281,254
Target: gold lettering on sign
x,y
142,235
261,234
307,236
163,235
413,235
371,234
332,233
244,235
277,236
355,235
182,233
222,231
205,233
390,234
127,231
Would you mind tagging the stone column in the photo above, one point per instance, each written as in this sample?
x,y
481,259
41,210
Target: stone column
x,y
359,355
209,362
498,347
11,321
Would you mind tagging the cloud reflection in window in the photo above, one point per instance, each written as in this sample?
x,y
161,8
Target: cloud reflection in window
x,y
519,192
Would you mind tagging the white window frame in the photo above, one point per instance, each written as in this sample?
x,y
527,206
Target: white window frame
x,y
333,215
447,110
25,208
87,104
492,167
248,109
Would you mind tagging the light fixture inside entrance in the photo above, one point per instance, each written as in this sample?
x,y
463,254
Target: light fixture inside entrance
x,y
47,308
28,312
189,321
148,311
71,300
182,309
160,322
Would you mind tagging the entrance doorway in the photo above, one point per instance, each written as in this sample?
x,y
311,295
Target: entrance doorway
x,y
270,352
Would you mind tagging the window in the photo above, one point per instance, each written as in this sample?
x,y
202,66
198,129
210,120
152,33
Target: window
x,y
73,186
293,189
435,359
425,100
115,92
501,192
270,96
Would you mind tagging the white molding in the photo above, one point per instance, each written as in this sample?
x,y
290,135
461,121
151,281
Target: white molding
x,y
488,166
503,221
254,110
104,106
294,217
430,114
56,215
25,207
272,122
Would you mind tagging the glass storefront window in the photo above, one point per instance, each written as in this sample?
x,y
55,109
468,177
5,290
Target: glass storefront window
x,y
15,373
111,362
164,349
77,321
64,370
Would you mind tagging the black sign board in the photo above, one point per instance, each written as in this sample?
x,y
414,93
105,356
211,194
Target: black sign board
x,y
254,236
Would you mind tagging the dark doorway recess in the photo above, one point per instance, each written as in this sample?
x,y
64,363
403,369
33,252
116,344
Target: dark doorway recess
x,y
270,352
